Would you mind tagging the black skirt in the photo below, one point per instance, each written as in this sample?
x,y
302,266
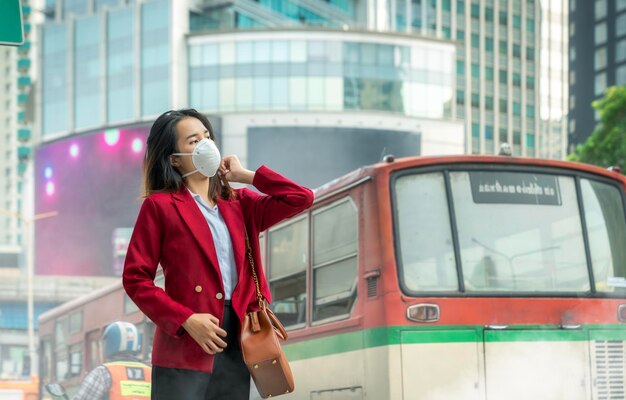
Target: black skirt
x,y
230,379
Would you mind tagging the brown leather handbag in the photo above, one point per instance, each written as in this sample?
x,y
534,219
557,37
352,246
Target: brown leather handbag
x,y
260,346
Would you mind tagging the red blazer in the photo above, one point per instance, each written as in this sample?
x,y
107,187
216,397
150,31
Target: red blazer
x,y
172,231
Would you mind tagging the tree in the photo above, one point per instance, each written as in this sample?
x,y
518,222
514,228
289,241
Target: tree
x,y
607,144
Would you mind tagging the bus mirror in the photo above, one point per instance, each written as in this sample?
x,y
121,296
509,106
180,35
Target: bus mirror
x,y
55,389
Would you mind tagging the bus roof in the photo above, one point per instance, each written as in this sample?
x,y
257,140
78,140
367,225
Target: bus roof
x,y
79,301
368,171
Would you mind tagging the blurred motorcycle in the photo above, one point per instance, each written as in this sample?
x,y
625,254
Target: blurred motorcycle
x,y
56,390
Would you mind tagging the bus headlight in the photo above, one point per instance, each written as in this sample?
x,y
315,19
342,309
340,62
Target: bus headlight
x,y
423,312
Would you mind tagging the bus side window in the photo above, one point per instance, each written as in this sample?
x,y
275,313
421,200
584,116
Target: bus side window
x,y
335,249
288,259
76,359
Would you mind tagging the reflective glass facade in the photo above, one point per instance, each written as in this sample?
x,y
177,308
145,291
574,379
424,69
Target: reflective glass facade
x,y
155,57
324,74
120,82
117,57
87,72
54,77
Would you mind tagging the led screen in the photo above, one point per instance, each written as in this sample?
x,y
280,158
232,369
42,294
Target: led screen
x,y
93,181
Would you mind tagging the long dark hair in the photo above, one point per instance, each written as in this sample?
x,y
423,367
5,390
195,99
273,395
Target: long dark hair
x,y
159,175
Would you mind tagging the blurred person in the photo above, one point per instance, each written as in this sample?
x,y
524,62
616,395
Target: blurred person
x,y
194,225
122,375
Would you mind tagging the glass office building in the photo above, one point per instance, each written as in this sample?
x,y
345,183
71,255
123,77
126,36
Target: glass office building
x,y
597,60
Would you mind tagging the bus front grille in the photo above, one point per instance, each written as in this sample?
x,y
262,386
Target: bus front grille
x,y
608,369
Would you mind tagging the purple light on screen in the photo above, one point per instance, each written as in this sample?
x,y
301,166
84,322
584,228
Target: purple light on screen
x,y
111,136
74,150
50,188
137,146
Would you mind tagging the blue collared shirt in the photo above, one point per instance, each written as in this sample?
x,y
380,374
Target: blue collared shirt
x,y
222,242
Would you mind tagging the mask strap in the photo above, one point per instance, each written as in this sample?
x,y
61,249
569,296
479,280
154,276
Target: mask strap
x,y
189,173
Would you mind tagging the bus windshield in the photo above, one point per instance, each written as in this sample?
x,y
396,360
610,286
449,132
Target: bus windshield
x,y
516,232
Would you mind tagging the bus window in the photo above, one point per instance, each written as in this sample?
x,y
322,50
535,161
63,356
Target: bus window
x,y
334,260
288,253
606,228
425,250
93,349
519,232
76,359
46,359
76,322
60,349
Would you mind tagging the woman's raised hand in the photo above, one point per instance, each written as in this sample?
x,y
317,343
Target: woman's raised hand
x,y
205,330
232,170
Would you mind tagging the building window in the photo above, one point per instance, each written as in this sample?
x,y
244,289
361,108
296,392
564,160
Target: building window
x,y
460,67
504,135
475,40
489,73
572,77
600,83
530,54
503,18
572,102
488,14
503,76
488,44
475,71
620,25
460,36
517,79
460,7
620,50
572,5
503,106
530,25
572,29
530,111
600,9
517,51
517,109
460,97
475,100
502,47
600,58
475,11
600,33
620,75
517,21
621,5
489,103
572,53
475,130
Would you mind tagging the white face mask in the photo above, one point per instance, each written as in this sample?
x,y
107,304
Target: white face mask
x,y
205,157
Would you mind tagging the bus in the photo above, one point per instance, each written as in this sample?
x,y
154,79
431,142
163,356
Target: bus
x,y
453,277
456,277
19,389
69,335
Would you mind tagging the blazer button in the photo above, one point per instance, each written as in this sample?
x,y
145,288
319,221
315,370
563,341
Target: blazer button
x,y
219,296
198,289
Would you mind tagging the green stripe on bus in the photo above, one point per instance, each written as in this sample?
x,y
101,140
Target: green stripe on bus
x,y
384,336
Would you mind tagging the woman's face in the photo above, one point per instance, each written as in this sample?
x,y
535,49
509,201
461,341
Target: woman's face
x,y
190,131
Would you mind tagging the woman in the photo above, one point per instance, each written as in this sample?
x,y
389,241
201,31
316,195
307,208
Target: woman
x,y
194,225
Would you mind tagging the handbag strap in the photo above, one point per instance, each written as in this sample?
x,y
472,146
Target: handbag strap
x,y
278,326
259,296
